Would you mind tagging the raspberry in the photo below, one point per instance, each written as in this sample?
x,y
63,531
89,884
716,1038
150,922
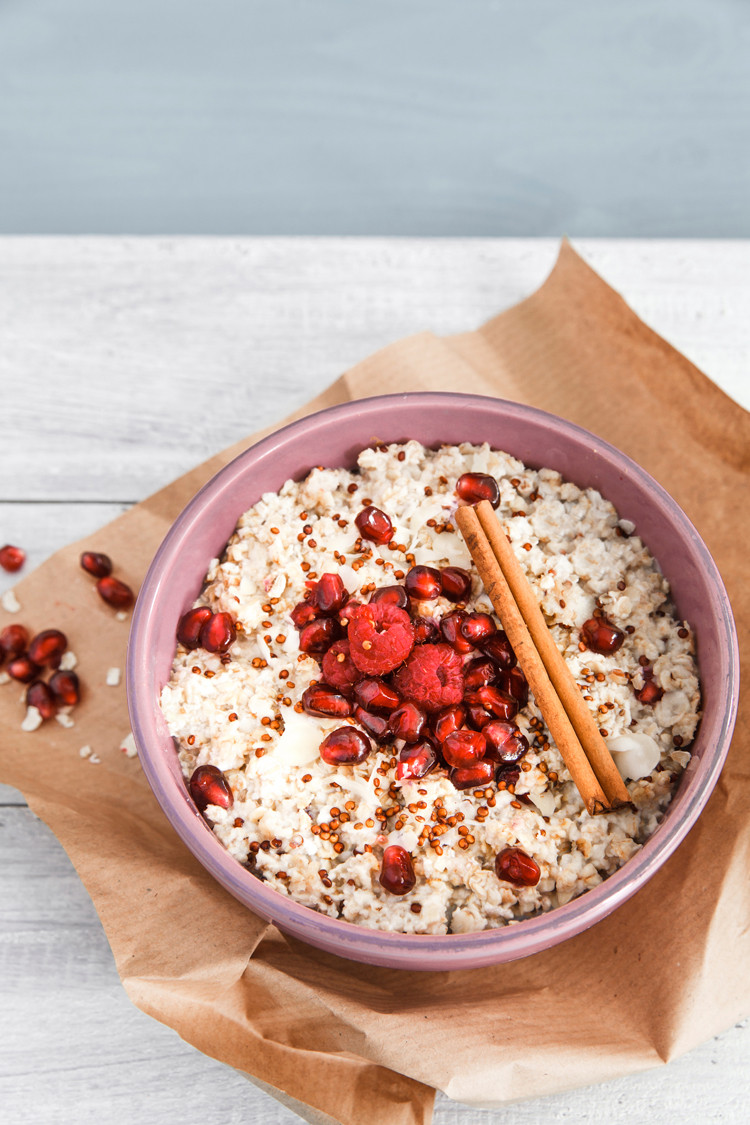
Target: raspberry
x,y
432,677
381,636
340,674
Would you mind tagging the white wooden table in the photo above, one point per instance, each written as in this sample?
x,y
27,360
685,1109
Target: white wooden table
x,y
124,363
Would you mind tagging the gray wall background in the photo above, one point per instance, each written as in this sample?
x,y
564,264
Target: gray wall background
x,y
423,117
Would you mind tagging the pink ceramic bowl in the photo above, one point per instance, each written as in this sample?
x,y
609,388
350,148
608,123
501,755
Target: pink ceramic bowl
x,y
333,438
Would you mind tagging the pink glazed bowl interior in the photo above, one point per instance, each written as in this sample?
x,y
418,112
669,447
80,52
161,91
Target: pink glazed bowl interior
x,y
333,438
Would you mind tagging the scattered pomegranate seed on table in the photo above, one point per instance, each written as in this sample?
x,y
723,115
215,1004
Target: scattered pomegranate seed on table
x,y
115,593
14,640
47,647
12,558
40,696
96,564
66,688
23,669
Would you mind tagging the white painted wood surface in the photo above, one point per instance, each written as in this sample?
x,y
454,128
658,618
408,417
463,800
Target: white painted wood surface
x,y
124,362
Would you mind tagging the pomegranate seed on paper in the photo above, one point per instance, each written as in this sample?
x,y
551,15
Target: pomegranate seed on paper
x,y
12,558
96,564
115,593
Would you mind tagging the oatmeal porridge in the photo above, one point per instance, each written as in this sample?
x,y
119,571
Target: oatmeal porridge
x,y
350,716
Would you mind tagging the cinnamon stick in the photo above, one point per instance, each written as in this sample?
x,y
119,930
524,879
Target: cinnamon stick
x,y
558,671
531,664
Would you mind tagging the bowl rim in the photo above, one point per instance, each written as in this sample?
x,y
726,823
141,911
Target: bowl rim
x,y
377,946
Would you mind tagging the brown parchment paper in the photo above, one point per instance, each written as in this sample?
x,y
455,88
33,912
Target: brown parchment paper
x,y
356,1044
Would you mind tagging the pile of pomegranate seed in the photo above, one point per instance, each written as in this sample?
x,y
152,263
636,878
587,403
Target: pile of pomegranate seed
x,y
27,658
12,558
111,590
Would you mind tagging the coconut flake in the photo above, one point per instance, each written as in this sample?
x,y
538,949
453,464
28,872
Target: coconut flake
x,y
128,747
635,755
113,677
68,661
64,719
298,745
33,719
85,752
10,602
545,802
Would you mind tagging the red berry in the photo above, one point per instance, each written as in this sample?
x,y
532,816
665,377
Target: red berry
x,y
478,775
12,558
600,635
423,583
66,688
347,611
320,699
498,648
416,761
96,564
408,722
319,634
218,633
514,682
303,613
374,525
478,628
39,695
448,720
473,487
450,627
345,746
47,647
23,669
480,672
377,726
397,871
339,670
381,636
514,866
209,786
432,677
14,640
393,595
650,693
494,700
114,592
455,583
505,740
190,625
426,630
463,747
330,593
374,694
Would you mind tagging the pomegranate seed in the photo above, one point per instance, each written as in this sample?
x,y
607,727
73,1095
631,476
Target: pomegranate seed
x,y
345,746
477,716
463,747
473,776
23,669
96,564
448,720
450,627
423,583
375,695
478,627
480,672
514,866
473,487
209,786
218,633
498,648
330,594
190,625
416,761
514,682
339,670
114,592
650,693
319,634
426,631
600,635
303,613
66,688
374,525
506,741
455,583
12,558
377,726
346,612
47,647
14,640
408,722
39,695
397,871
497,702
393,595
324,700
